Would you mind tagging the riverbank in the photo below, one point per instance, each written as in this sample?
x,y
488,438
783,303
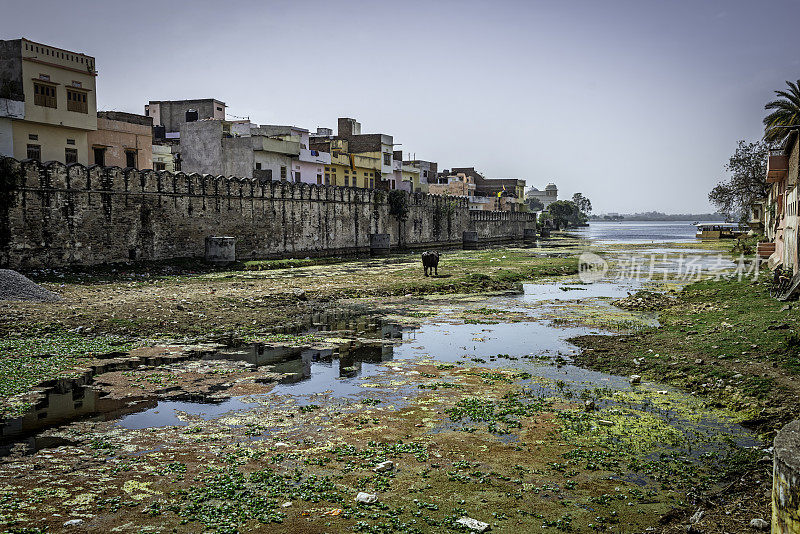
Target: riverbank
x,y
728,342
471,396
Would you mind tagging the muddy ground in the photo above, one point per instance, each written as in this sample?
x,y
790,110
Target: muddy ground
x,y
470,436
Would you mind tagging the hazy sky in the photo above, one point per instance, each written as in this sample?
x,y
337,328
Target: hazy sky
x,y
638,104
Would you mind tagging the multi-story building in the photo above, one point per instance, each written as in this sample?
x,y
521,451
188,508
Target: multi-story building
x,y
48,102
546,197
168,115
428,172
165,157
240,148
781,218
508,193
309,165
122,140
346,169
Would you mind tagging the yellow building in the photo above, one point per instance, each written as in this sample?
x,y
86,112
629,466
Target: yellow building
x,y
48,102
345,169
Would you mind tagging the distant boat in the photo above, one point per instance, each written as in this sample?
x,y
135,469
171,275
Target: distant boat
x,y
720,230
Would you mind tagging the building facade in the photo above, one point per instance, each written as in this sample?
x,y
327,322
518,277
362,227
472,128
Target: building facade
x,y
48,102
546,197
170,114
121,140
781,207
508,193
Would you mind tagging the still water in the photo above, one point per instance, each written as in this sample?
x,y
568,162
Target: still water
x,y
611,232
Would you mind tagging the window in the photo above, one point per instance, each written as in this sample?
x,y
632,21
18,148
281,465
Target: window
x,y
76,101
283,173
33,137
319,179
35,152
44,95
258,166
159,166
327,180
219,108
297,176
392,184
130,158
99,155
70,141
372,183
70,155
387,159
347,181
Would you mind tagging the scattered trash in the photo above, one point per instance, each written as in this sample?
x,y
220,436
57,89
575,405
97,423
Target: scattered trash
x,y
77,522
589,405
382,467
366,498
698,515
605,422
759,523
474,524
635,379
286,504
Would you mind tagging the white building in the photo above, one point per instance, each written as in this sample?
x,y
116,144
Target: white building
x,y
546,197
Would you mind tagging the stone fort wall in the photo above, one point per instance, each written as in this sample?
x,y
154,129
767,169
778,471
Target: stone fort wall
x,y
54,215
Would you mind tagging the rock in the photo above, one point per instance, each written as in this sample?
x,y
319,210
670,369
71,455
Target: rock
x,y
382,467
474,525
299,294
589,405
759,523
366,498
698,515
635,379
73,523
286,504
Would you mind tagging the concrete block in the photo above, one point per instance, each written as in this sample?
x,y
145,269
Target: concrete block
x,y
379,243
220,249
786,480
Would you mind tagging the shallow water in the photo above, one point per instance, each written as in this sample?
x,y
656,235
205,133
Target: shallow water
x,y
535,345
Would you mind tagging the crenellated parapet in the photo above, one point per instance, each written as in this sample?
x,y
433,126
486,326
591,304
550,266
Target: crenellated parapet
x,y
59,215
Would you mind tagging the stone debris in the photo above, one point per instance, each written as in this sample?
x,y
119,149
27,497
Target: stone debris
x,y
14,286
635,379
646,301
382,467
73,523
474,525
698,515
366,498
759,523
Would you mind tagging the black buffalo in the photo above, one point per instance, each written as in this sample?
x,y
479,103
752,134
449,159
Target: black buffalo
x,y
430,261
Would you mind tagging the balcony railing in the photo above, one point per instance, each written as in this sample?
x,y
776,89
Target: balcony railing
x,y
777,168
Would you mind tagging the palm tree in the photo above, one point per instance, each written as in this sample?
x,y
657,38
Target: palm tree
x,y
786,112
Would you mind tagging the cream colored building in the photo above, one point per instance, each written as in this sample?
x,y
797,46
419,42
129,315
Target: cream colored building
x,y
48,102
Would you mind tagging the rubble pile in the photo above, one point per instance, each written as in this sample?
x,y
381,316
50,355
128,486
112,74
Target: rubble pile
x,y
646,301
14,286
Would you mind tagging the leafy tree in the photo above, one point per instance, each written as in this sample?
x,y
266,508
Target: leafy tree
x,y
747,183
583,203
785,112
534,204
564,213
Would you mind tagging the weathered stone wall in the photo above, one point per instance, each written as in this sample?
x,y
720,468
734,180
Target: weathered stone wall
x,y
56,215
786,480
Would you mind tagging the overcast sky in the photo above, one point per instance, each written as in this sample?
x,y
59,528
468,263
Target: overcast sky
x,y
638,104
